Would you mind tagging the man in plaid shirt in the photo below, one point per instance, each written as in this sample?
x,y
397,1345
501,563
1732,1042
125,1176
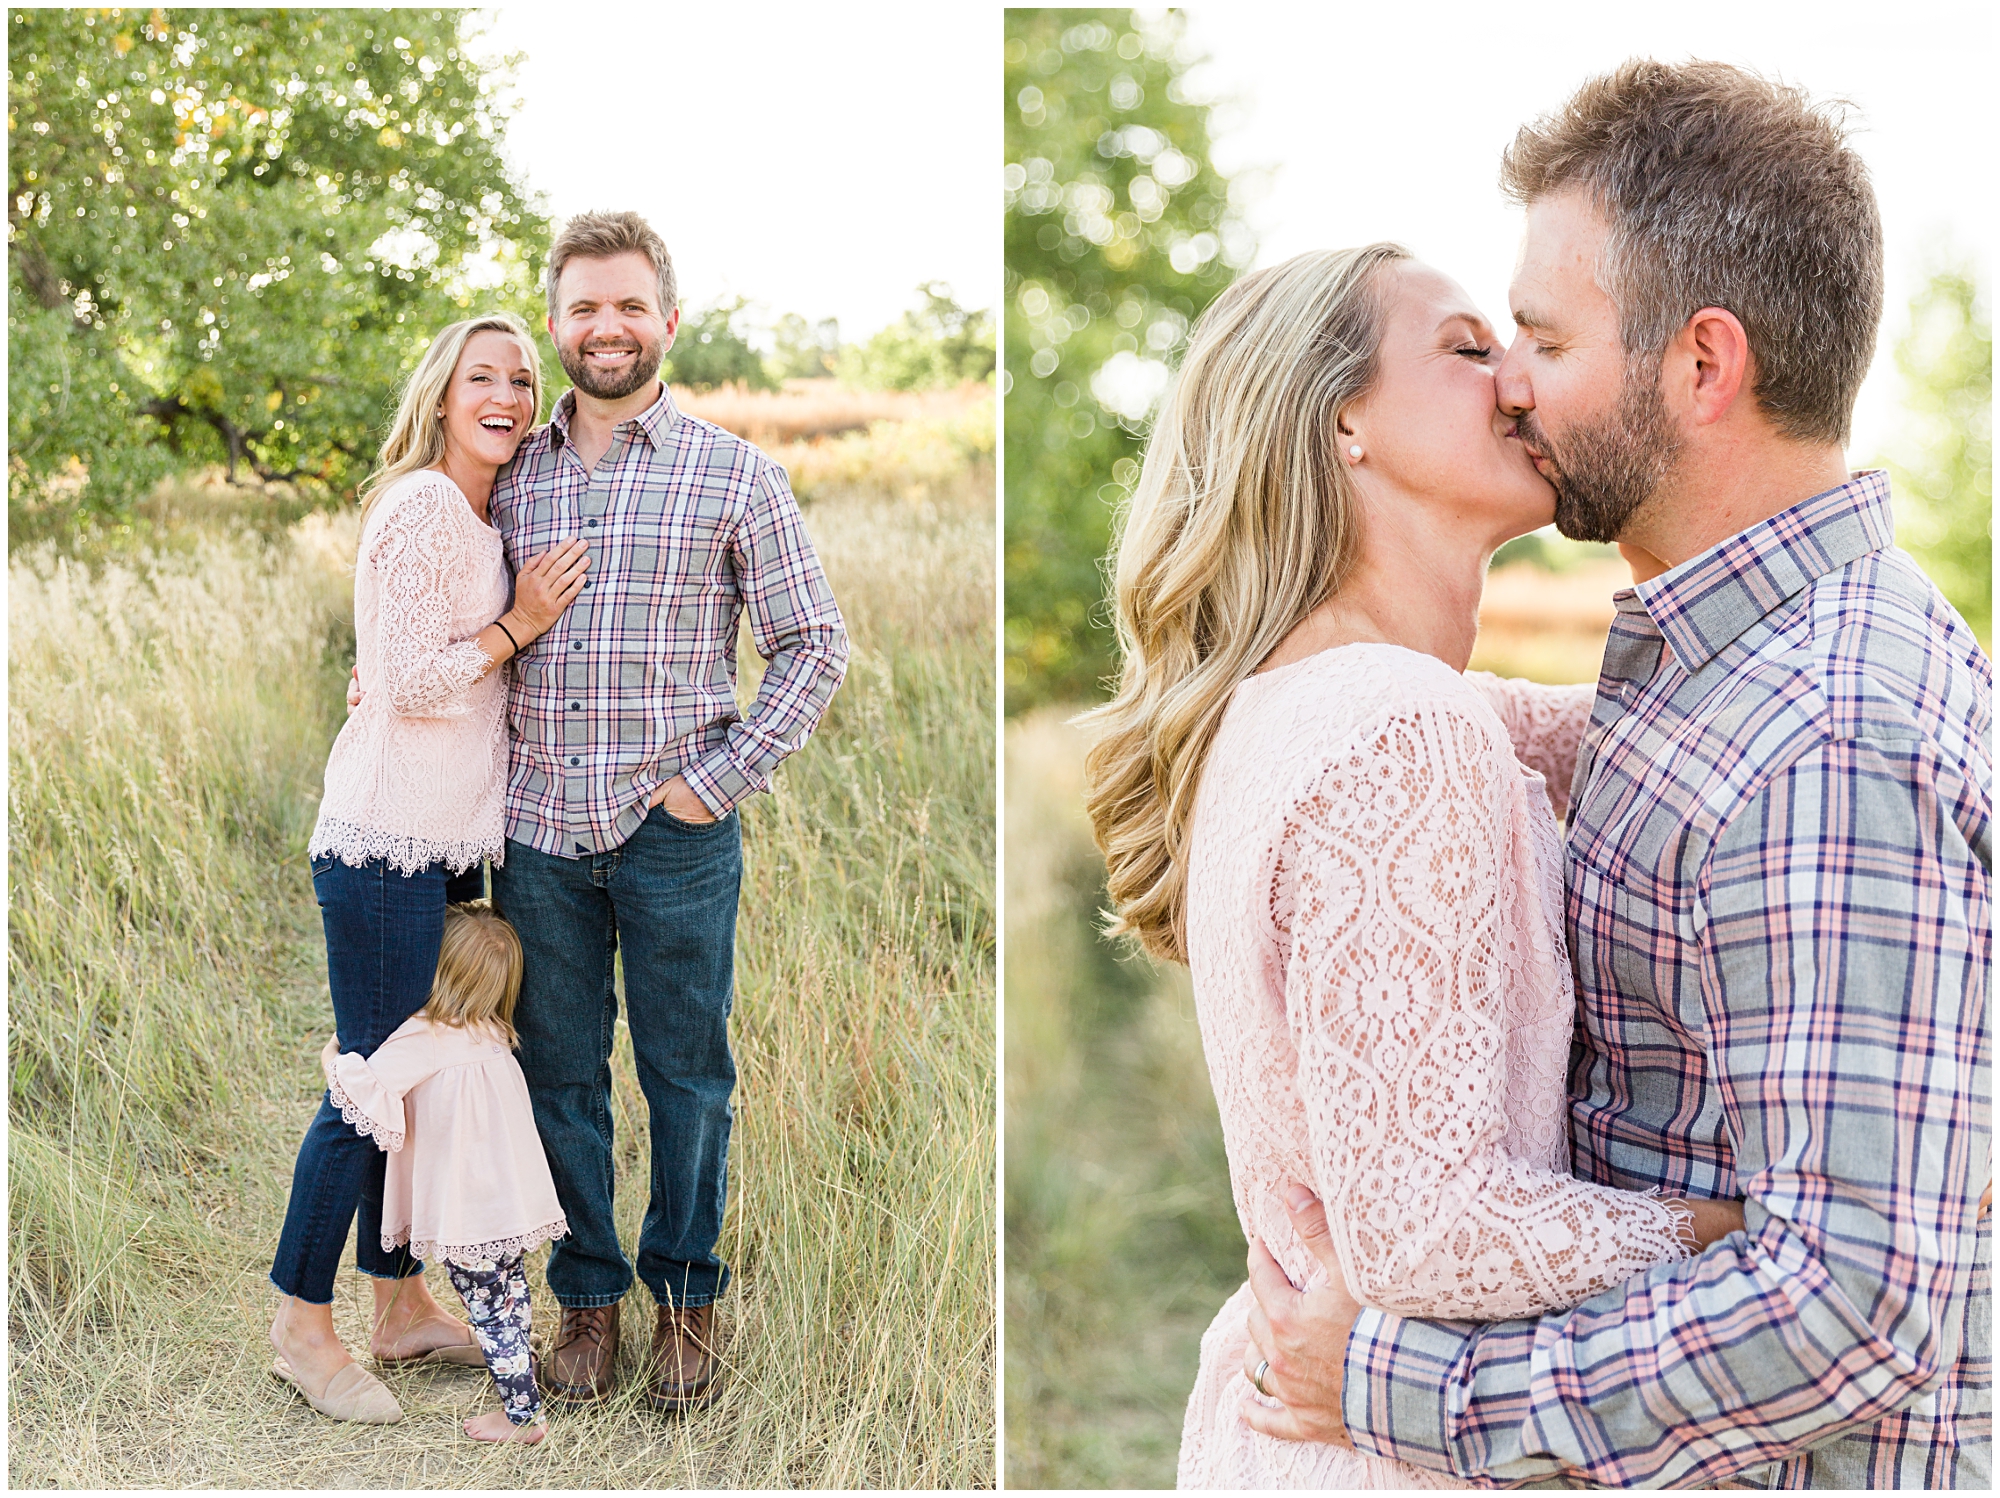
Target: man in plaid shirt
x,y
627,758
1779,858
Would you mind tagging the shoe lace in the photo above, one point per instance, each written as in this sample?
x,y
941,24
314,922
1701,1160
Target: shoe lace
x,y
593,1322
684,1323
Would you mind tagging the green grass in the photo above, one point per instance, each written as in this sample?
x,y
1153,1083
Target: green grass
x,y
173,695
1122,1242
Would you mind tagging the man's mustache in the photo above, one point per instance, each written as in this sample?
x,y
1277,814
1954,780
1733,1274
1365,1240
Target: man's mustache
x,y
1531,435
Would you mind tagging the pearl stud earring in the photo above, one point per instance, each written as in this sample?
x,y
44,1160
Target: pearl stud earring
x,y
1355,452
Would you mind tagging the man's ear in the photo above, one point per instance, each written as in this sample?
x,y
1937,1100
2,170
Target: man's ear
x,y
1712,364
673,327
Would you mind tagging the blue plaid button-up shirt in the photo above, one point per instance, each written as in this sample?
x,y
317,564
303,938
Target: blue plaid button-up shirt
x,y
690,529
1779,862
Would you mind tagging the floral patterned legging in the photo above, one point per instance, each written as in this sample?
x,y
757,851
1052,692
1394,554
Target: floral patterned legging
x,y
496,1299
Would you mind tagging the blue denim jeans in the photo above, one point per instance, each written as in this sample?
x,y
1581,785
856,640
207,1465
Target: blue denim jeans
x,y
669,896
383,930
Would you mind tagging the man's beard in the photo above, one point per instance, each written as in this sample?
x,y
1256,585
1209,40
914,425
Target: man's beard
x,y
1606,469
611,385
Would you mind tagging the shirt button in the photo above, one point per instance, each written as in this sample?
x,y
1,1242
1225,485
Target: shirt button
x,y
574,760
576,644
591,523
574,706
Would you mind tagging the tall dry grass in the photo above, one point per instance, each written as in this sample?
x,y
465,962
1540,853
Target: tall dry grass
x,y
1122,1239
805,409
169,717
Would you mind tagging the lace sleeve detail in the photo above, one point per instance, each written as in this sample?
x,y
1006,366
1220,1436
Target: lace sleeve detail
x,y
418,550
1545,725
364,1102
369,1090
1395,983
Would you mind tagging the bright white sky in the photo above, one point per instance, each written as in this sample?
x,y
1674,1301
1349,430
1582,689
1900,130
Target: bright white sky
x,y
819,159
1382,122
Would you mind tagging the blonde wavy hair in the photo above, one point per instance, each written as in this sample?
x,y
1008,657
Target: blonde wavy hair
x,y
1242,524
478,972
416,436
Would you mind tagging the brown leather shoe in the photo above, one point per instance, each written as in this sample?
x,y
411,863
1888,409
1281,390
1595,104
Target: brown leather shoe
x,y
582,1366
685,1375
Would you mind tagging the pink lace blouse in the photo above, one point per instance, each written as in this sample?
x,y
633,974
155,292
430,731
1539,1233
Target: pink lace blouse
x,y
418,774
1375,934
467,1180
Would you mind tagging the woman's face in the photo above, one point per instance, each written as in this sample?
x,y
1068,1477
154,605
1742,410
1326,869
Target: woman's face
x,y
490,403
1436,449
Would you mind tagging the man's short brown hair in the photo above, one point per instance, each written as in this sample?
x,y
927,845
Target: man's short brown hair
x,y
1724,189
598,236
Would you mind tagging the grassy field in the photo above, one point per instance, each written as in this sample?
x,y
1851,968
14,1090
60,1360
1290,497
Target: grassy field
x,y
171,706
807,409
1122,1241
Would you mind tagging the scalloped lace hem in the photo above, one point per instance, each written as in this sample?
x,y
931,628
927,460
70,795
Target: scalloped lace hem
x,y
474,1255
358,846
385,1138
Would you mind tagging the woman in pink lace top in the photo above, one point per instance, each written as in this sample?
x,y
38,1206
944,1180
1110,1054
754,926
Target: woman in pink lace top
x,y
1349,839
413,802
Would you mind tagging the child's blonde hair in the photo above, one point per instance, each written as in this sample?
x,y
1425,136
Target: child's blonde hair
x,y
479,970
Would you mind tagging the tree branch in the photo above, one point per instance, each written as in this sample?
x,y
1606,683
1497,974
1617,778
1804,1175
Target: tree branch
x,y
40,278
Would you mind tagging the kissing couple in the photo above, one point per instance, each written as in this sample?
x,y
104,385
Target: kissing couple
x,y
1644,1148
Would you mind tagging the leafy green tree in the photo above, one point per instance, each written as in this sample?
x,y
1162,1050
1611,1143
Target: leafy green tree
x,y
230,233
1942,466
803,350
712,349
938,345
1118,233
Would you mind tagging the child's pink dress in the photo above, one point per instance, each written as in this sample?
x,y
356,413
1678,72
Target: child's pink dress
x,y
1375,930
467,1182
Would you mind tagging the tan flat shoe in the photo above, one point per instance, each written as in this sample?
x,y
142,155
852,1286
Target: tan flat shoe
x,y
352,1394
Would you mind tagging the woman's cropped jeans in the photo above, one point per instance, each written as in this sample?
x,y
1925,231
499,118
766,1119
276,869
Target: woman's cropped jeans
x,y
383,930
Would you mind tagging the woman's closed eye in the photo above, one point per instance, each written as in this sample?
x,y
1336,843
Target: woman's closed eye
x,y
1472,351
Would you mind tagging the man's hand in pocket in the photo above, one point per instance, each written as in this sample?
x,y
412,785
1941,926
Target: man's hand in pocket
x,y
682,802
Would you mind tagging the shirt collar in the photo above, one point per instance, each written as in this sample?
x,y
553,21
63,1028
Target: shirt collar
x,y
1708,601
657,421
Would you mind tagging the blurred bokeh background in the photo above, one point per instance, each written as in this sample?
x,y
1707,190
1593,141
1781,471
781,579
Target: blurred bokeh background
x,y
1150,158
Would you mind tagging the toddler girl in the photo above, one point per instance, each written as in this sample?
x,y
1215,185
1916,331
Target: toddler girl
x,y
466,1181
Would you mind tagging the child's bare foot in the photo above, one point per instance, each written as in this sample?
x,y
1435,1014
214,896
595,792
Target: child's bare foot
x,y
495,1426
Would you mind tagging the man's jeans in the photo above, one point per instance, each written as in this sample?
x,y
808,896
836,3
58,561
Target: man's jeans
x,y
670,895
383,930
